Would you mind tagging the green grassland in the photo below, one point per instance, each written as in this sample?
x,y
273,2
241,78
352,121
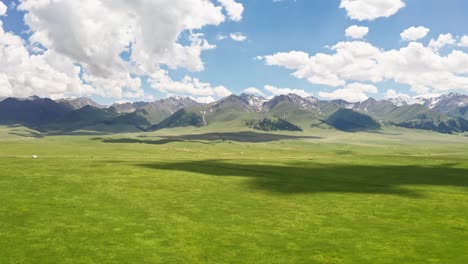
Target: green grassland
x,y
191,195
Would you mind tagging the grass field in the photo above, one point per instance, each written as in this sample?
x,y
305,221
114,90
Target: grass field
x,y
400,196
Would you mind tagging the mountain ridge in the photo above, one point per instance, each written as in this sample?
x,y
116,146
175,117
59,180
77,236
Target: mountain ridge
x,y
446,113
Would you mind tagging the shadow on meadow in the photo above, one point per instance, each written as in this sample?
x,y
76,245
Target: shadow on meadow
x,y
139,141
28,134
250,137
318,178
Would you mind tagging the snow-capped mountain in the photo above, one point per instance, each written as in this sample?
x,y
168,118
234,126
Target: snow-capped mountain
x,y
307,103
439,103
406,100
446,102
452,104
256,102
446,113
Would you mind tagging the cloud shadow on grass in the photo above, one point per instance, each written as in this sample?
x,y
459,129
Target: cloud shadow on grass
x,y
140,141
315,178
250,137
30,134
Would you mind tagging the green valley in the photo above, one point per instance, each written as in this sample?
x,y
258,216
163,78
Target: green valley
x,y
195,195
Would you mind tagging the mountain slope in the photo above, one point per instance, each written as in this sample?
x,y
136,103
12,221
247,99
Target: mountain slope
x,y
128,107
90,118
182,118
33,111
302,112
411,116
157,111
82,119
272,124
130,122
78,103
452,104
351,121
454,125
461,112
290,112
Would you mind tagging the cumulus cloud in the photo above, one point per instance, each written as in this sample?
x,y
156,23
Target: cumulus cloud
x,y
279,91
254,91
204,99
414,33
356,32
96,41
3,9
418,66
442,41
290,60
233,9
47,74
391,93
331,70
354,92
463,41
81,49
371,9
238,36
162,82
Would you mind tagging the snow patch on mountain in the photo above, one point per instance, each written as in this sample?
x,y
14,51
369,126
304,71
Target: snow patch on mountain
x,y
406,100
256,102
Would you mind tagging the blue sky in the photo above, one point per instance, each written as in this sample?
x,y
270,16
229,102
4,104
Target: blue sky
x,y
270,27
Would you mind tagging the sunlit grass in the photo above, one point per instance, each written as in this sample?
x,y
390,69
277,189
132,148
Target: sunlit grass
x,y
378,198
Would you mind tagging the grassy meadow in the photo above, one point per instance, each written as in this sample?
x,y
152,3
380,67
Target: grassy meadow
x,y
399,196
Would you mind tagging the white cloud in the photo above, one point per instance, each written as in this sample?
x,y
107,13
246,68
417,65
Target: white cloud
x,y
3,9
415,65
238,36
391,93
331,70
6,89
79,40
463,41
233,9
442,41
204,99
279,91
354,92
49,74
221,37
371,9
289,60
96,41
414,33
356,32
254,91
188,85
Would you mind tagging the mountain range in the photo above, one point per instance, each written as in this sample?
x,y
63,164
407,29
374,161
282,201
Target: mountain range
x,y
445,114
